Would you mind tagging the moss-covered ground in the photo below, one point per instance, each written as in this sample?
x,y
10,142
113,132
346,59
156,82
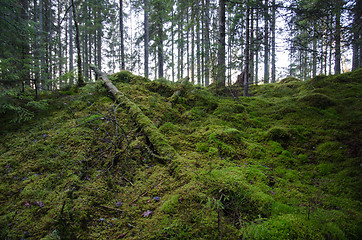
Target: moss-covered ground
x,y
284,163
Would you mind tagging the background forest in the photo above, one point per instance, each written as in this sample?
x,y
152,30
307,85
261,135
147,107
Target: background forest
x,y
43,42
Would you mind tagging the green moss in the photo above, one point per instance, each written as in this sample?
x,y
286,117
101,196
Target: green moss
x,y
170,205
279,134
169,128
164,88
202,147
289,79
226,109
269,168
287,226
122,76
331,151
317,100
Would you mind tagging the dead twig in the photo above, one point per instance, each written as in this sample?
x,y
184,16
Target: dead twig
x,y
143,194
111,208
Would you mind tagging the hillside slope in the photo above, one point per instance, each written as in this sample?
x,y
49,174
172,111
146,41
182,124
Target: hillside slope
x,y
282,164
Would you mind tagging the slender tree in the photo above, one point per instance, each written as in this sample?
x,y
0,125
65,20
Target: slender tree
x,y
146,41
273,54
357,35
266,42
121,31
221,46
77,42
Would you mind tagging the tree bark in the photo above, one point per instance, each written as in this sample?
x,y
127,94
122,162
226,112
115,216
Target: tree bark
x,y
207,41
357,35
247,52
273,55
314,53
77,42
146,36
160,48
221,47
70,26
266,42
337,56
121,31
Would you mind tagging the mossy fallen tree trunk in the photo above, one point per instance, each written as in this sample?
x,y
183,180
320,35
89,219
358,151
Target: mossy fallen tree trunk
x,y
164,152
176,94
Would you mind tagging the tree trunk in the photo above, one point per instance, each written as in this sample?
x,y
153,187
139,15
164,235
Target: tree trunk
x,y
160,48
198,53
221,47
77,42
314,53
193,45
266,42
121,31
71,54
337,57
257,48
99,37
247,52
25,71
36,51
207,42
357,35
273,60
146,37
172,46
41,46
252,47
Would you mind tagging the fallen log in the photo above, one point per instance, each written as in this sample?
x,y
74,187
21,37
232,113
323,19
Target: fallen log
x,y
164,152
176,94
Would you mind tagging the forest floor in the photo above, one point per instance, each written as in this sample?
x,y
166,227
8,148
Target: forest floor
x,y
284,163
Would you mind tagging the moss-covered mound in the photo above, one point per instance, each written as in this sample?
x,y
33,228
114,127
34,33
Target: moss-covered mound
x,y
283,164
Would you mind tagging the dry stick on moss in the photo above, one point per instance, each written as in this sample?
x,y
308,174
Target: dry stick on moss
x,y
111,208
143,194
162,147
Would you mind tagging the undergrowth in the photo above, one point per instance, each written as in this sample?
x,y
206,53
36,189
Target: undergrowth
x,y
282,164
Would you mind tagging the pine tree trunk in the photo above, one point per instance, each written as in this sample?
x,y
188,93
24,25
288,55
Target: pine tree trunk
x,y
273,60
337,57
60,49
36,51
198,53
41,47
77,42
25,71
160,48
172,46
314,54
257,49
121,31
221,47
252,47
357,35
247,52
146,37
71,54
266,42
193,45
207,42
99,38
